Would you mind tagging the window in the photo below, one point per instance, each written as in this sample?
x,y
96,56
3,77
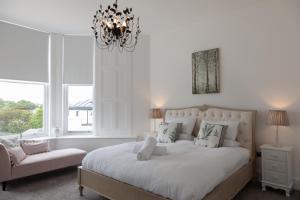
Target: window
x,y
80,108
22,109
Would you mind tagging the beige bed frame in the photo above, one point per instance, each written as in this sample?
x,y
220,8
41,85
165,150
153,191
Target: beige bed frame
x,y
116,190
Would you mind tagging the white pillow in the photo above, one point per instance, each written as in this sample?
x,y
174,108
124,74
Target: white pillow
x,y
184,136
187,126
232,128
230,143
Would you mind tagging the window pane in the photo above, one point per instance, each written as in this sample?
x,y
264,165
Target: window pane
x,y
80,105
21,109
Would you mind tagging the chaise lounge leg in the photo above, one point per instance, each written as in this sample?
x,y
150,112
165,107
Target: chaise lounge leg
x,y
4,186
80,190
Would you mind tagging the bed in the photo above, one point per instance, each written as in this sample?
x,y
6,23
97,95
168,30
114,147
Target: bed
x,y
105,175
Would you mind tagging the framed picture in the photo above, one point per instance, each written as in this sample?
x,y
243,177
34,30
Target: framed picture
x,y
206,72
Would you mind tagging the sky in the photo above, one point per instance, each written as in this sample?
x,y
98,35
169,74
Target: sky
x,y
19,91
79,93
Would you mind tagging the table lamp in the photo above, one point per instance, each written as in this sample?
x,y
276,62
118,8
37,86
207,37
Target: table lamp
x,y
277,118
155,113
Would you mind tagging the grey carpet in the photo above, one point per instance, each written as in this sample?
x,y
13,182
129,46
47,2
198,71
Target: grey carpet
x,y
62,185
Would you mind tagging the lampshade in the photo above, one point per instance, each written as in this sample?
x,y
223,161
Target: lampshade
x,y
155,113
278,118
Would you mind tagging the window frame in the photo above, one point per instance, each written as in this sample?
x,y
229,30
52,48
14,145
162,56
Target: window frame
x,y
66,112
45,132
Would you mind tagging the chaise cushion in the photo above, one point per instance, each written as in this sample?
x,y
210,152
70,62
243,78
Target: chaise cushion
x,y
43,162
35,147
17,155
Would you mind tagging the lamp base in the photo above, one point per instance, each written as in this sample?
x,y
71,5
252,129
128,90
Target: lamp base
x,y
277,139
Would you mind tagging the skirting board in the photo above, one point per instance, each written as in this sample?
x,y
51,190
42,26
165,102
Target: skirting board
x,y
296,183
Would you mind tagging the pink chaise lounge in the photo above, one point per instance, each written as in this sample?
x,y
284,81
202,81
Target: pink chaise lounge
x,y
38,163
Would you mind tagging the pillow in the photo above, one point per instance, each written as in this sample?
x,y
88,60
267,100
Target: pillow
x,y
210,135
17,155
167,133
10,141
184,136
232,128
35,147
230,143
187,124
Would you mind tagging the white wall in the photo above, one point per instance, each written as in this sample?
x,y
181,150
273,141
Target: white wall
x,y
141,86
55,114
260,64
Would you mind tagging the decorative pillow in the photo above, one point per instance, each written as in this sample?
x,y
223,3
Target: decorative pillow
x,y
210,135
187,124
167,133
230,143
10,141
35,147
232,128
17,155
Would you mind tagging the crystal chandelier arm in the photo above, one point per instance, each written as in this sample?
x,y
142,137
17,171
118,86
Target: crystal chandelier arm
x,y
132,46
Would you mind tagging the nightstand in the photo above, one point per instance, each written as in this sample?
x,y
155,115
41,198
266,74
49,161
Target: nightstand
x,y
277,168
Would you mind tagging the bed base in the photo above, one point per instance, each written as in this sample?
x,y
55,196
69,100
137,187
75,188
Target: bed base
x,y
116,190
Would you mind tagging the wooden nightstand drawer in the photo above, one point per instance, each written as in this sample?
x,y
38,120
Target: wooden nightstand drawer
x,y
274,155
274,177
275,166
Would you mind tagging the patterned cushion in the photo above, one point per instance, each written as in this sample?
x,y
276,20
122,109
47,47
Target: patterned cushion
x,y
210,135
167,132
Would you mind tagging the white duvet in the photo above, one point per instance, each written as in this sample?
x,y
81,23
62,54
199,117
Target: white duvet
x,y
187,172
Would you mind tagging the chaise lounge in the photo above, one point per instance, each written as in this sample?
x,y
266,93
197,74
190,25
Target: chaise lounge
x,y
37,163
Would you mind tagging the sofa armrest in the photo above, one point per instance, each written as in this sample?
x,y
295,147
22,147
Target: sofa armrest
x,y
5,164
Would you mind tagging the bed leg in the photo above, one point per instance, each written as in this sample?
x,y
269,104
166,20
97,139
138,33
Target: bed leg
x,y
80,190
4,186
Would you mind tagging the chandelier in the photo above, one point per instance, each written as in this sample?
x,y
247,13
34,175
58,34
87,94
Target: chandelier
x,y
116,28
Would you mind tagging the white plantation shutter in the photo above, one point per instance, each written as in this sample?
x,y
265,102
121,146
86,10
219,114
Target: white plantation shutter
x,y
78,60
23,53
113,97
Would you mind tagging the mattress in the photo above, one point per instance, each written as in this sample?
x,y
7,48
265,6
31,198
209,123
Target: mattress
x,y
186,172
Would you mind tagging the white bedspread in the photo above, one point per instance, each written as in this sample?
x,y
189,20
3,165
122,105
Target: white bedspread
x,y
187,172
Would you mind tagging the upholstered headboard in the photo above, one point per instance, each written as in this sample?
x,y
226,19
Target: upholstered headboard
x,y
246,118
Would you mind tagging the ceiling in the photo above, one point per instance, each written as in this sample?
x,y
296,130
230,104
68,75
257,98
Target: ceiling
x,y
75,16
